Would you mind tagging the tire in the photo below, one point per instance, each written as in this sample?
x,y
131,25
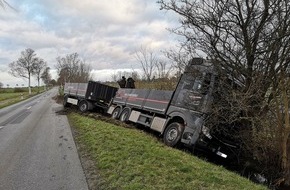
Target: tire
x,y
172,134
115,113
125,115
65,103
83,106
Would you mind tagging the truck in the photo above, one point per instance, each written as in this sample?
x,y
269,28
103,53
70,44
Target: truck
x,y
179,116
88,96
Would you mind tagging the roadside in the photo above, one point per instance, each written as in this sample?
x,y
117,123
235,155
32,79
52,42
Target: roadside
x,y
89,165
118,156
115,155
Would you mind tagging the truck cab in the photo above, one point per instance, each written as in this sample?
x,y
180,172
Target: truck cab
x,y
192,98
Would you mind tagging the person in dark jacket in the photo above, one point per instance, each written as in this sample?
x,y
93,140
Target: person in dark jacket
x,y
130,83
122,82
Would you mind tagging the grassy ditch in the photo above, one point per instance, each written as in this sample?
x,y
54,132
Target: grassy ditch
x,y
127,158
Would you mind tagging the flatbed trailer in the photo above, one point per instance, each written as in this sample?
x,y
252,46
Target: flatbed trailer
x,y
88,96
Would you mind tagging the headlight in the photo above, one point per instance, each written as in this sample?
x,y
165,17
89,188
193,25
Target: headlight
x,y
205,131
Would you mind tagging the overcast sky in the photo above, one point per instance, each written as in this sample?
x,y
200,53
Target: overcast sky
x,y
106,34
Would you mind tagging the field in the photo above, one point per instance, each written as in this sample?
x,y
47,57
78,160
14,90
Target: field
x,y
9,96
128,158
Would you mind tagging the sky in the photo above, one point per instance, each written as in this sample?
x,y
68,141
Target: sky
x,y
105,34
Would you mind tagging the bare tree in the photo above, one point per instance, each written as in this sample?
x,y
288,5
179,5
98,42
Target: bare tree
x,y
46,76
281,108
248,41
147,60
24,66
162,69
72,69
180,58
39,66
4,4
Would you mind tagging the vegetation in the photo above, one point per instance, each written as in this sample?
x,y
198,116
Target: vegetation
x,y
249,42
72,69
10,96
27,65
46,76
127,158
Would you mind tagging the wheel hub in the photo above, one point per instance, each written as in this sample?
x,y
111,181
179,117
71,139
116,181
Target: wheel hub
x,y
172,135
83,107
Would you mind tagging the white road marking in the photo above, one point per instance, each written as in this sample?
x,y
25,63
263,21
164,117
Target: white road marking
x,y
1,128
28,108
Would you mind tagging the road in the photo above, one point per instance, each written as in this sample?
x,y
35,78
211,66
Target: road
x,y
37,151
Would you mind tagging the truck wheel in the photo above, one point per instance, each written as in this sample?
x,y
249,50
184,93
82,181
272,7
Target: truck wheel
x,y
125,115
83,106
115,113
172,134
65,103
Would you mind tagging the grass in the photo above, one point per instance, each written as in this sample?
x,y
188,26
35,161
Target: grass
x,y
131,159
11,96
6,96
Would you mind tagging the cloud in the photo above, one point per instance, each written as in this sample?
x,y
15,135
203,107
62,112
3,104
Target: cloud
x,y
106,34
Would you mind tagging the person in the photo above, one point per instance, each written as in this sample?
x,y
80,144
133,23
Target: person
x,y
130,83
122,82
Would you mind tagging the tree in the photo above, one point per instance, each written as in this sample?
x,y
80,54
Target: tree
x,y
180,58
46,76
147,60
248,41
4,3
162,71
39,66
53,82
24,66
281,102
72,69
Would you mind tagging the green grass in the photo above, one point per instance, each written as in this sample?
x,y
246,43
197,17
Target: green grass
x,y
7,99
6,96
9,96
131,159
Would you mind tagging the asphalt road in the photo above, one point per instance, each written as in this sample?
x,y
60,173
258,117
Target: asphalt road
x,y
37,151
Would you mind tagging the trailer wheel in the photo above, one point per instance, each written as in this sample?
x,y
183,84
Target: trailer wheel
x,y
172,134
115,113
65,103
125,115
83,106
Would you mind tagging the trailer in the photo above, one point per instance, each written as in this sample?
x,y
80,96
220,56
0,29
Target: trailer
x,y
88,96
179,115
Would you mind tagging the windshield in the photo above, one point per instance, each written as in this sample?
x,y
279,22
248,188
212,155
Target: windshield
x,y
198,83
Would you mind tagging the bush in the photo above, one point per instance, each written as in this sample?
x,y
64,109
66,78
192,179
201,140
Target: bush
x,y
19,90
